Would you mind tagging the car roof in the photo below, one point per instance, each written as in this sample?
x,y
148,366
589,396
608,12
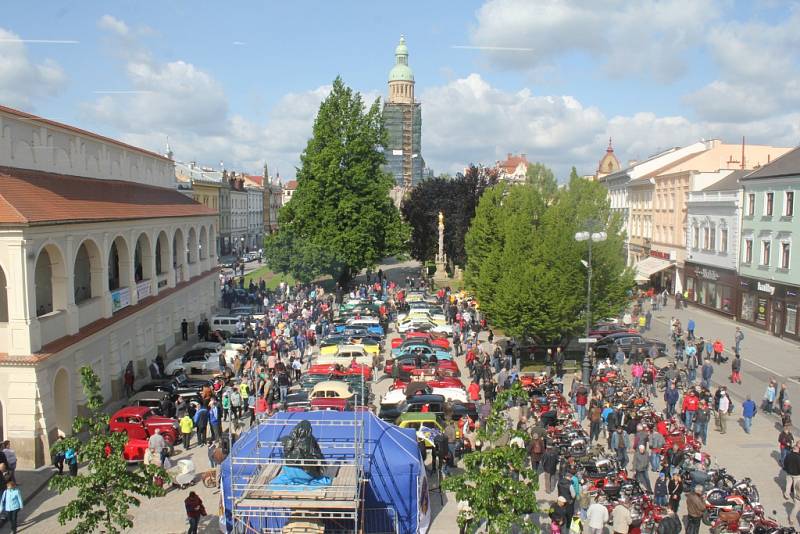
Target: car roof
x,y
132,410
418,416
335,385
351,348
146,395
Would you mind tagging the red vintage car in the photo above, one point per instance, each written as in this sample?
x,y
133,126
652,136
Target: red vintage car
x,y
139,422
134,449
433,339
349,370
435,382
446,367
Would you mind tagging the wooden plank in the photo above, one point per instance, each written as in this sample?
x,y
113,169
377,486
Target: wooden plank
x,y
298,504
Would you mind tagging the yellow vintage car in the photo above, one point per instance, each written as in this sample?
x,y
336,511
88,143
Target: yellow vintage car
x,y
370,348
344,354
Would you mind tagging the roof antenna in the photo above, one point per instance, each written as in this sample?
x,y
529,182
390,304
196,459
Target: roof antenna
x,y
743,166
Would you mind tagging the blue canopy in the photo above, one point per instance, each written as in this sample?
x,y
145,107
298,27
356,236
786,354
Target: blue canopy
x,y
396,482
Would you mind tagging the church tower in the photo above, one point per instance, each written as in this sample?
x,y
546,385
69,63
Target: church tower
x,y
402,117
608,163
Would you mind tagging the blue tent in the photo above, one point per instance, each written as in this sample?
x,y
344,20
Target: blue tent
x,y
396,484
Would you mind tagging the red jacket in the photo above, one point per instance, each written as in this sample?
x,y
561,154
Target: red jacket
x,y
474,391
690,403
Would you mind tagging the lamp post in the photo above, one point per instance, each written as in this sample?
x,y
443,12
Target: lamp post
x,y
590,237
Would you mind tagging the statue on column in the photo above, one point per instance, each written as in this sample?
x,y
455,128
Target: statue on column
x,y
441,260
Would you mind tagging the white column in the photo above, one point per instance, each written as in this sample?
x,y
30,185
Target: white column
x,y
23,326
73,316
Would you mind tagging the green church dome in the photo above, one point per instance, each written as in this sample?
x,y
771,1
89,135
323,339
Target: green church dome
x,y
401,71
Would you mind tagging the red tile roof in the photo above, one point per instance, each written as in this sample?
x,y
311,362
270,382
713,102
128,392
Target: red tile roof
x,y
35,197
29,117
256,179
512,162
291,184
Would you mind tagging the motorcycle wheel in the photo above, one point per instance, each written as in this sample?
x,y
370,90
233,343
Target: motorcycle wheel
x,y
709,517
753,495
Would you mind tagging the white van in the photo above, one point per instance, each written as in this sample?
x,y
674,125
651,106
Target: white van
x,y
224,322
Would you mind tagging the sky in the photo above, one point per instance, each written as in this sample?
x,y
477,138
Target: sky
x,y
238,84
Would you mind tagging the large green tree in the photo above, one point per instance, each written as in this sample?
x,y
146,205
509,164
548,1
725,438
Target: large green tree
x,y
107,487
525,265
340,219
457,198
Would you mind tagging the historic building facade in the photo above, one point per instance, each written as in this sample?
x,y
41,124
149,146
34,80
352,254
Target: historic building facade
x,y
100,261
769,268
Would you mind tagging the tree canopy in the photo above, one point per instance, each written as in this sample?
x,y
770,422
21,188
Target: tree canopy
x,y
107,487
457,199
340,219
525,266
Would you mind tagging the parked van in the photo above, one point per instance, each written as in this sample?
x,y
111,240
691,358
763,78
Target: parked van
x,y
226,323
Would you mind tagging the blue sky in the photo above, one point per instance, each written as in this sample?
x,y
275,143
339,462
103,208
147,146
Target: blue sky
x,y
240,83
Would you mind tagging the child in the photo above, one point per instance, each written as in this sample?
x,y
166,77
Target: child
x,y
660,490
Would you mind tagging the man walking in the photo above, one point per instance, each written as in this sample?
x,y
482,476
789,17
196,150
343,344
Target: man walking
x,y
749,410
706,373
641,462
695,507
722,412
738,337
690,329
184,330
549,466
187,425
597,515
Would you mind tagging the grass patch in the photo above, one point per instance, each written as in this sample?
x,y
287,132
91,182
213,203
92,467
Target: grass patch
x,y
272,279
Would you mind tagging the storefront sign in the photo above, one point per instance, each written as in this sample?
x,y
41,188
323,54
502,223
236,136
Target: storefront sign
x,y
708,274
766,288
121,298
761,311
659,254
143,289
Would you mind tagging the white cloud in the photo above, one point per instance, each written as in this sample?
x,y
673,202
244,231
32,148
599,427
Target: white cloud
x,y
648,36
468,120
759,71
22,80
112,24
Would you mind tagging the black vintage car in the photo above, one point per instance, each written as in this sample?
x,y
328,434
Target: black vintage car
x,y
629,343
177,386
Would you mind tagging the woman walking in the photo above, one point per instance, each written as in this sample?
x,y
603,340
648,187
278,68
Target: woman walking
x,y
11,504
675,489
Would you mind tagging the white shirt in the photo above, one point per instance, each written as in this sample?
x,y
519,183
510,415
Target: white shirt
x,y
724,403
597,515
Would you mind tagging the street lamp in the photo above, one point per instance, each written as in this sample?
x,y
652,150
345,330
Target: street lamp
x,y
590,237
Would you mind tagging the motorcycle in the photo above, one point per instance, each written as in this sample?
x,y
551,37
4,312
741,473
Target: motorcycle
x,y
746,521
733,502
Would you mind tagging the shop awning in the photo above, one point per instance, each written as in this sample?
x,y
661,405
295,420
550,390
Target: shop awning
x,y
650,266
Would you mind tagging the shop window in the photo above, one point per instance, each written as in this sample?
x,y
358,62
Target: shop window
x,y
785,254
768,204
791,319
748,251
723,240
751,204
726,303
765,252
788,204
748,312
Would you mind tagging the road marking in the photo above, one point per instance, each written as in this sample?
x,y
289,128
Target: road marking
x,y
765,368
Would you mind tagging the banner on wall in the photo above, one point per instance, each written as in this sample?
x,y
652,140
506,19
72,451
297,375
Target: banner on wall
x,y
120,298
143,289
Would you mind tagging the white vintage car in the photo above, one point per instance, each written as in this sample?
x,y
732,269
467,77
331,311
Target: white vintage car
x,y
395,396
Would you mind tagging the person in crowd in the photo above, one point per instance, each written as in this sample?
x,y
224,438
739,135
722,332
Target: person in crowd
x,y
785,443
186,425
675,491
621,517
749,410
597,515
695,507
736,369
194,511
11,504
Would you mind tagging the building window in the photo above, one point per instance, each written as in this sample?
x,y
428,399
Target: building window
x,y
695,237
768,203
751,204
706,237
713,238
765,252
723,240
748,251
785,254
788,205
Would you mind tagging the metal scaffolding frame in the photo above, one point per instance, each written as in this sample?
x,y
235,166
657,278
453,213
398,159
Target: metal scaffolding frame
x,y
341,503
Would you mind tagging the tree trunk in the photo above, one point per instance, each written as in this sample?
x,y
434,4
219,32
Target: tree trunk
x,y
344,279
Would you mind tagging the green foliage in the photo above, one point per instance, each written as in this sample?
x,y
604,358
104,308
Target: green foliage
x,y
542,178
457,199
107,488
340,219
497,483
524,264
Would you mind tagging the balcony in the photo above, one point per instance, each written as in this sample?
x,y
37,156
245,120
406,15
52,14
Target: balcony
x,y
713,197
89,311
53,326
